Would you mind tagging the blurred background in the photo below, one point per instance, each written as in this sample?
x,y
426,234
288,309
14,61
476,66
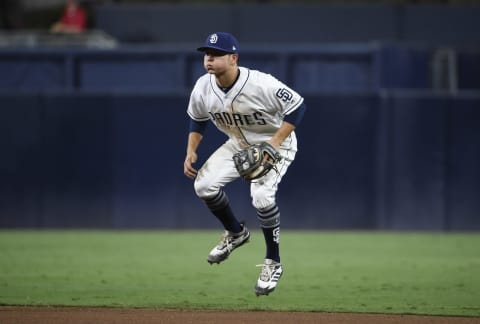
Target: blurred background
x,y
93,123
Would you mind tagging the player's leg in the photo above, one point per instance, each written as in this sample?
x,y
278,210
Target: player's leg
x,y
263,194
217,171
212,177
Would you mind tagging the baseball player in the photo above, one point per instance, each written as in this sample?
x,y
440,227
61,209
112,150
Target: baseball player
x,y
250,107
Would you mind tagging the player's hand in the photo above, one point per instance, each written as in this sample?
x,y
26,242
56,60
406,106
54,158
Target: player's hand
x,y
188,169
276,146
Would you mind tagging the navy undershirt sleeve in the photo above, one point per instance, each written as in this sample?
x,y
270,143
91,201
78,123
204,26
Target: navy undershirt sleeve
x,y
198,126
296,116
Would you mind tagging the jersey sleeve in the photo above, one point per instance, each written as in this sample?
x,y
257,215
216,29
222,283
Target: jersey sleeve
x,y
196,106
285,99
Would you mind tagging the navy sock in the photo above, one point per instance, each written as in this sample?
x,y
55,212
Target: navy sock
x,y
220,207
270,222
272,236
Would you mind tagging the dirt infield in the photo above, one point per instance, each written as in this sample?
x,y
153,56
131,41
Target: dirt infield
x,y
76,315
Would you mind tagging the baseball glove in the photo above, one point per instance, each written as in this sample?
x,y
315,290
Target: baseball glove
x,y
256,160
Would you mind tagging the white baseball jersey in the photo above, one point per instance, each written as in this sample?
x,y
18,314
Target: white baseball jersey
x,y
250,112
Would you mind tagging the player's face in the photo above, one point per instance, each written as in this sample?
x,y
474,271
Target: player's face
x,y
218,62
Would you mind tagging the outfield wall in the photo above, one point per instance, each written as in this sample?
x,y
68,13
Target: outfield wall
x,y
393,160
312,69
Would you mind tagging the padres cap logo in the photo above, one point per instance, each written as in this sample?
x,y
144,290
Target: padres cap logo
x,y
213,38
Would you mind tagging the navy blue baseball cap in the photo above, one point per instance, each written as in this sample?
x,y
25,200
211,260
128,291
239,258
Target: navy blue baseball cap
x,y
220,41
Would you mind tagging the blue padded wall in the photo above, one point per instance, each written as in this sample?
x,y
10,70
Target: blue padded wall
x,y
463,159
77,159
415,163
21,72
21,166
396,161
468,66
147,72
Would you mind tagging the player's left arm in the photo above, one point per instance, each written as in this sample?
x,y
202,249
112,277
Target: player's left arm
x,y
288,125
282,133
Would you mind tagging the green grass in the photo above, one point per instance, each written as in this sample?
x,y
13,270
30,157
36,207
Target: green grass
x,y
407,273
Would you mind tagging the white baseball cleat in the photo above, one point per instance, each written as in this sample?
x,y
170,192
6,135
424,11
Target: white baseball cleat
x,y
229,242
268,280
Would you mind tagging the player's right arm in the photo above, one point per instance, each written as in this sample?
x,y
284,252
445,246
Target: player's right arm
x,y
198,122
194,138
191,157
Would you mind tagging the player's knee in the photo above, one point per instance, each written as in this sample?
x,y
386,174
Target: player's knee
x,y
200,188
262,199
204,189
